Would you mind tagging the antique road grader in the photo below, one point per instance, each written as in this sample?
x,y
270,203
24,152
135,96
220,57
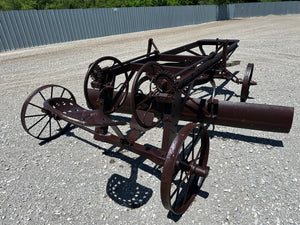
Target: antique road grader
x,y
161,95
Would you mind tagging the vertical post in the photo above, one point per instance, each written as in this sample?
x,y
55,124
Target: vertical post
x,y
224,59
150,41
171,118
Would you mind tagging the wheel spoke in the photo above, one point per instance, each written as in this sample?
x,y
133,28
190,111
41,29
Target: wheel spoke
x,y
37,122
44,128
186,151
178,186
59,124
42,96
183,151
62,93
193,156
50,127
35,105
36,115
187,188
177,191
182,179
51,96
190,148
199,156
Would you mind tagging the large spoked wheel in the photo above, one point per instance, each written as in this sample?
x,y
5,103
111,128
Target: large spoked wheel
x,y
37,121
108,75
144,91
185,168
246,82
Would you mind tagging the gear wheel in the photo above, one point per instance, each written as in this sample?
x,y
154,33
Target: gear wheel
x,y
164,81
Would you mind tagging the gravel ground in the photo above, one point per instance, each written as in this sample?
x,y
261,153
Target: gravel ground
x,y
254,176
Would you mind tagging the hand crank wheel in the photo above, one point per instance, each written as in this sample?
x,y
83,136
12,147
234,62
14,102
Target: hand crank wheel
x,y
107,73
246,82
145,107
185,168
39,122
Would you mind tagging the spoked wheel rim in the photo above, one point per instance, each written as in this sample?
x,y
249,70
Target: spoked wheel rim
x,y
143,94
121,88
185,168
39,122
246,82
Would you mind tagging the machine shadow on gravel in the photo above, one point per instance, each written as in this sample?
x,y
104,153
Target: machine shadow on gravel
x,y
126,191
246,138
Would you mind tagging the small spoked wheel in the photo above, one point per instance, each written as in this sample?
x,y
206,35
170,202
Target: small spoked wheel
x,y
108,75
246,82
185,168
39,122
145,107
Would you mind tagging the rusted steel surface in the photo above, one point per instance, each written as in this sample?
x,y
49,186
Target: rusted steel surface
x,y
160,95
254,116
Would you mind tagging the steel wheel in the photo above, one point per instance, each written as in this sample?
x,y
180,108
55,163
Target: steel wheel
x,y
246,82
185,168
37,121
107,74
143,96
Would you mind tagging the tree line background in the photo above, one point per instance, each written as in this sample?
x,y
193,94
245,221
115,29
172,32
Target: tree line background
x,y
74,4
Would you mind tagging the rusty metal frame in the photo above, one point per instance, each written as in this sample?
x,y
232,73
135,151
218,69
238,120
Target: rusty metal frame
x,y
172,75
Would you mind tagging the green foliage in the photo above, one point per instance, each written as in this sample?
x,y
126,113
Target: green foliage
x,y
73,4
10,5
